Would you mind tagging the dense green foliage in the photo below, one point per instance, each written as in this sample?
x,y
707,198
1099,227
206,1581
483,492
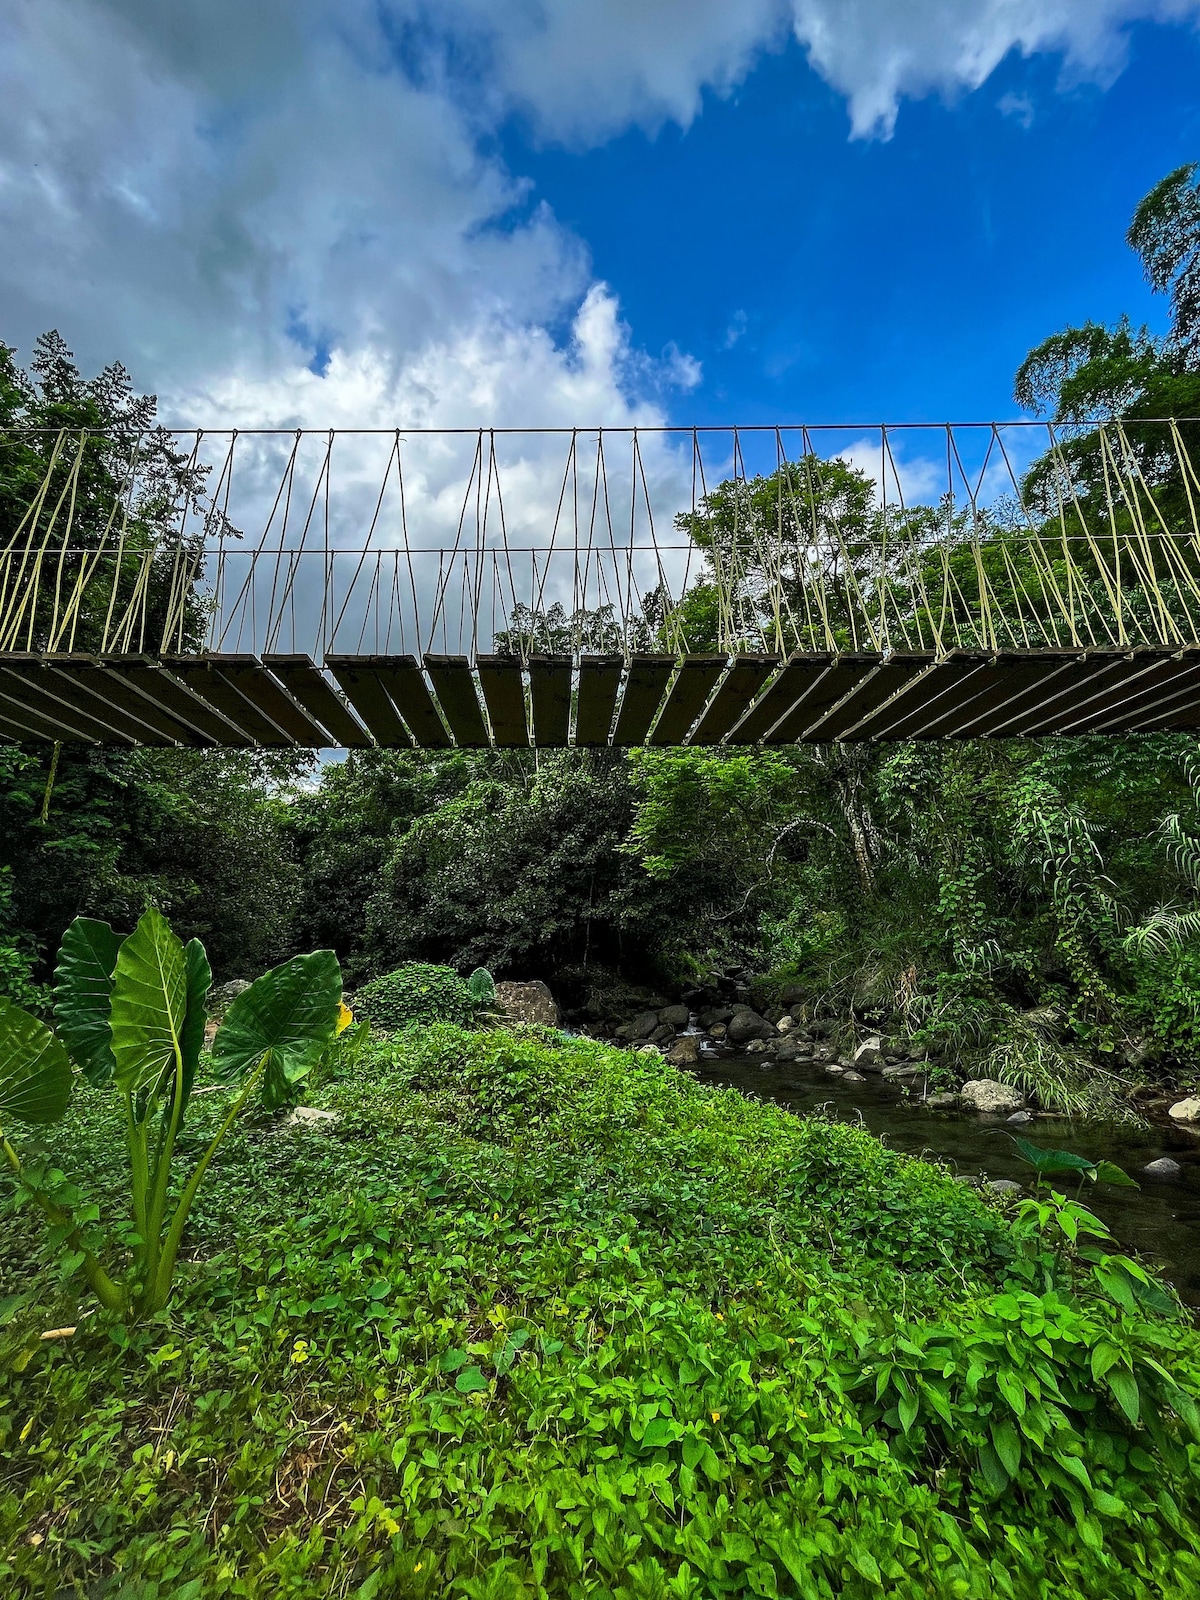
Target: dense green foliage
x,y
549,1319
416,993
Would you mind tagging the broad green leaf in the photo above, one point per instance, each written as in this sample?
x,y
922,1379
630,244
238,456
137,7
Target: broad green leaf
x,y
199,982
993,1469
149,1004
470,1381
1116,1284
288,1015
481,986
83,983
1124,1386
1053,1160
35,1070
1109,1172
1007,1443
1152,1297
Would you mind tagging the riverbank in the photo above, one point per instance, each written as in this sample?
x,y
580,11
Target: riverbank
x,y
533,1316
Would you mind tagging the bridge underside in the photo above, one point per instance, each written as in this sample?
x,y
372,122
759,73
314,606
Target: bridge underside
x,y
552,702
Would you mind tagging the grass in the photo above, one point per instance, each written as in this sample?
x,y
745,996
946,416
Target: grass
x,y
542,1318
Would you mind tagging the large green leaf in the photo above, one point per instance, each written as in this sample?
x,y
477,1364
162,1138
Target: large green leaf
x,y
149,1004
288,1015
1046,1161
199,982
35,1070
83,983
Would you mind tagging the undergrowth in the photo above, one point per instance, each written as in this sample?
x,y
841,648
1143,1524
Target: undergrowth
x,y
537,1317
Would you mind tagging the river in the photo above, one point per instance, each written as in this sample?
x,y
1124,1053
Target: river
x,y
1160,1221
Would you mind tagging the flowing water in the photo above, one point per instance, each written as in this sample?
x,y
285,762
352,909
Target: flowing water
x,y
1160,1220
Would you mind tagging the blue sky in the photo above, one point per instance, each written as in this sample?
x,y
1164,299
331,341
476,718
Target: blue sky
x,y
390,213
816,276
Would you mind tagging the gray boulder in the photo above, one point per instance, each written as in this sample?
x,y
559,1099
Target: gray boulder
x,y
746,1025
308,1117
674,1016
869,1052
1164,1167
902,1074
850,1076
685,1052
791,995
223,995
786,1050
988,1094
637,1028
662,1033
531,1003
715,1014
943,1100
1019,1119
1002,1186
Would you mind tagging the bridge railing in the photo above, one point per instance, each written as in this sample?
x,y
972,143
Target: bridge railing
x,y
980,537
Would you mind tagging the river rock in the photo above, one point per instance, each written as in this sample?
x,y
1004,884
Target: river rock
x,y
787,1050
662,1033
747,1025
1019,1119
639,1027
674,1016
784,1025
685,1052
833,1070
791,995
223,995
1186,1110
717,1031
1164,1167
305,1117
988,1094
902,1074
713,1015
531,1003
1002,1185
756,1047
943,1100
869,1052
850,1076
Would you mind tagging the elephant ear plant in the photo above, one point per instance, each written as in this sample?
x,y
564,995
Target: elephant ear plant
x,y
130,1014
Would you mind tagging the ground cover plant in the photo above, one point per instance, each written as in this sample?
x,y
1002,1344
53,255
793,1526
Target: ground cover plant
x,y
419,992
537,1317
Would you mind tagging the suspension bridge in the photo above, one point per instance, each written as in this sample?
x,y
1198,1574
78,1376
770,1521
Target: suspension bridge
x,y
598,587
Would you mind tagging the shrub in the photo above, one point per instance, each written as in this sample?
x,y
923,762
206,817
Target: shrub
x,y
416,992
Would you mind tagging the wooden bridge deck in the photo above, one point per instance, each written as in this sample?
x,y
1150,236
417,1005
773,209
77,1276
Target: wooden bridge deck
x,y
551,702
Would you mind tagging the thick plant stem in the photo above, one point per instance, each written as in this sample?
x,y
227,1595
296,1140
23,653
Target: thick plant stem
x,y
159,1288
109,1293
156,1210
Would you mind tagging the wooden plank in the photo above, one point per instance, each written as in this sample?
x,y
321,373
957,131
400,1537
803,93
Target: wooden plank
x,y
147,677
252,680
403,679
844,673
1111,674
361,681
1151,707
504,695
793,683
688,696
301,679
204,676
867,695
455,688
25,688
550,691
1020,685
919,696
73,687
1001,683
645,679
24,726
89,712
115,690
599,681
1126,699
732,700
